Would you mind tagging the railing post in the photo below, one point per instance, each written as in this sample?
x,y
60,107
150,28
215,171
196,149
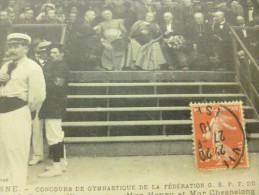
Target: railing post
x,y
237,65
249,79
63,34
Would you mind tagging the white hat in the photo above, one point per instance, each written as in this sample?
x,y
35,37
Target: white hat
x,y
42,45
18,38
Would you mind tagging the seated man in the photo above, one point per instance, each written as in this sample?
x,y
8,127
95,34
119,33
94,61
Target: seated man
x,y
144,50
199,36
84,44
175,55
113,33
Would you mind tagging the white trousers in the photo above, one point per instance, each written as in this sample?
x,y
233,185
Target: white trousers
x,y
54,132
37,136
15,135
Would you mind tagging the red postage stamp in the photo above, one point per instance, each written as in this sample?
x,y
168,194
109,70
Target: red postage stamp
x,y
219,135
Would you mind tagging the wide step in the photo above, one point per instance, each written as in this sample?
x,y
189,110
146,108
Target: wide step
x,y
152,96
144,113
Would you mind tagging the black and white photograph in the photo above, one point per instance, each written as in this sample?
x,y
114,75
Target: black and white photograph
x,y
129,97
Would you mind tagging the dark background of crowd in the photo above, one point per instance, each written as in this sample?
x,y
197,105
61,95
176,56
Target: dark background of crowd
x,y
192,19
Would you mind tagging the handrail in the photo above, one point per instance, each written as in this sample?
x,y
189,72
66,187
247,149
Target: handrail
x,y
247,80
243,45
245,27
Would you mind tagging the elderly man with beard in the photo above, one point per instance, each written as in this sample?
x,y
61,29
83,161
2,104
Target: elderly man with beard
x,y
54,107
22,90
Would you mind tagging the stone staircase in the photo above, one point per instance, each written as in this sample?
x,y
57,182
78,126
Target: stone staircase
x,y
144,113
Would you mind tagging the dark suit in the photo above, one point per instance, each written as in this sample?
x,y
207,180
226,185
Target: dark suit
x,y
222,45
174,57
200,35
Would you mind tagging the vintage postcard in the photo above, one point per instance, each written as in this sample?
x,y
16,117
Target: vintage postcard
x,y
129,97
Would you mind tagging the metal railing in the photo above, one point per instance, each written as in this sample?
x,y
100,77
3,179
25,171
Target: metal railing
x,y
246,66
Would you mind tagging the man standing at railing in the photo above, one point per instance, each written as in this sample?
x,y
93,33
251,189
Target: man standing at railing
x,y
22,90
222,42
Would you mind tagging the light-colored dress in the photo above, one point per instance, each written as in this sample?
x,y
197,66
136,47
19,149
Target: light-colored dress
x,y
113,32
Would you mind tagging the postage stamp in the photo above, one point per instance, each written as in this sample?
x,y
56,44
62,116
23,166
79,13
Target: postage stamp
x,y
219,136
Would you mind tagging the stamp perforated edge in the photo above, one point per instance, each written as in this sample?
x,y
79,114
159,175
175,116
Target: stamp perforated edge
x,y
244,133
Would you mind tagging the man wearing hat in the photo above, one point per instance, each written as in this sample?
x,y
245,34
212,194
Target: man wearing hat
x,y
41,57
22,90
40,51
54,107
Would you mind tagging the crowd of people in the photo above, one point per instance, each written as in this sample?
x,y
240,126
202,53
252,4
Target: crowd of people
x,y
140,35
31,98
100,35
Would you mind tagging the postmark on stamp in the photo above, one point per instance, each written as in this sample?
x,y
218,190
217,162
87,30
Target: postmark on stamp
x,y
219,135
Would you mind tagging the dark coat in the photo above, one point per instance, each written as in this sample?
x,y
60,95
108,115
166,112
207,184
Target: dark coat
x,y
201,36
54,106
222,43
224,33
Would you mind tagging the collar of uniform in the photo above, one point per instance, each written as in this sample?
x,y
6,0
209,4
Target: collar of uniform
x,y
21,60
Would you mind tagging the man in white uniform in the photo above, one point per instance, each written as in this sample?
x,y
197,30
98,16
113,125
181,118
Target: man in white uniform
x,y
22,90
41,57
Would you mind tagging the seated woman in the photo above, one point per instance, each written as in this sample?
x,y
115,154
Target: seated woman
x,y
144,51
113,33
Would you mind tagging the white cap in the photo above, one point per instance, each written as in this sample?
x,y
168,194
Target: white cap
x,y
18,38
